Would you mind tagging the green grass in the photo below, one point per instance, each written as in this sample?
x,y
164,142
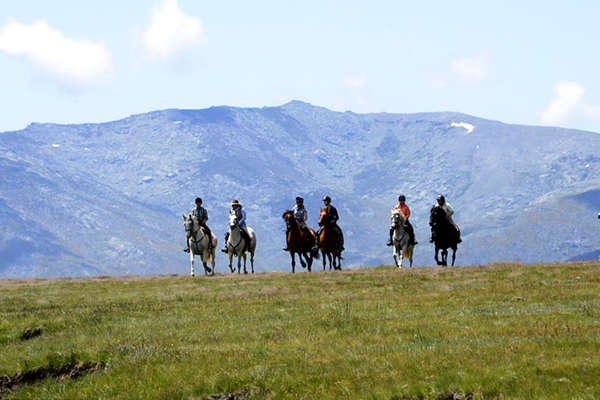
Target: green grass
x,y
501,331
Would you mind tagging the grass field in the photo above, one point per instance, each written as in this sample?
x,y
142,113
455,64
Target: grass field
x,y
499,331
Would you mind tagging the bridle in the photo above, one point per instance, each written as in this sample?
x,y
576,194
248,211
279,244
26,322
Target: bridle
x,y
236,225
190,232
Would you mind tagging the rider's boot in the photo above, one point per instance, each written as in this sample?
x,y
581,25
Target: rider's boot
x,y
224,250
389,243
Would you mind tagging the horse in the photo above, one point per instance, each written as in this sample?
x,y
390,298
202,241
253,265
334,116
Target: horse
x,y
300,242
444,235
198,244
329,242
236,244
401,239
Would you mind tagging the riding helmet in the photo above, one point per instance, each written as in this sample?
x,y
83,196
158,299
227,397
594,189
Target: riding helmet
x,y
441,198
401,198
327,198
299,198
198,200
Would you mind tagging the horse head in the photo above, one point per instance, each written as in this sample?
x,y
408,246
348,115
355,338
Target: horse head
x,y
437,216
188,222
288,217
233,219
398,219
323,217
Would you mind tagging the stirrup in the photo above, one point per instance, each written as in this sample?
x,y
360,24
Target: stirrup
x,y
389,243
187,250
224,250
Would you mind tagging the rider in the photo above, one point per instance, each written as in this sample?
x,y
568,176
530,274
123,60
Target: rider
x,y
300,215
444,205
409,228
236,207
333,217
201,216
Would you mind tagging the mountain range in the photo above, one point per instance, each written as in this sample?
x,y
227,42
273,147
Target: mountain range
x,y
107,198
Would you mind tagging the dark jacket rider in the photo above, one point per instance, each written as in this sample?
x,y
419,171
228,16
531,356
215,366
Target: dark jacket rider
x,y
201,216
332,213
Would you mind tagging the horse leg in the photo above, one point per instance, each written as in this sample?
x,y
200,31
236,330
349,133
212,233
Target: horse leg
x,y
192,272
324,258
330,256
309,260
231,262
453,255
245,270
339,262
445,257
252,260
293,255
437,250
301,260
212,256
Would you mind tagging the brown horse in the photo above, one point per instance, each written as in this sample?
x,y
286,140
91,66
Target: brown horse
x,y
300,242
329,241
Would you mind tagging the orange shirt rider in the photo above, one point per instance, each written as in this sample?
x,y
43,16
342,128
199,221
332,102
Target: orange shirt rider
x,y
404,208
409,228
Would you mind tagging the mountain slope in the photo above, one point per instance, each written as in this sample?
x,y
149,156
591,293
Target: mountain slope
x,y
109,197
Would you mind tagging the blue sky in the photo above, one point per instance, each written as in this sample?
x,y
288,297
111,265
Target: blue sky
x,y
73,61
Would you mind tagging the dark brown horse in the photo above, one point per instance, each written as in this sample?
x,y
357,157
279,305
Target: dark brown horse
x,y
300,241
444,235
329,241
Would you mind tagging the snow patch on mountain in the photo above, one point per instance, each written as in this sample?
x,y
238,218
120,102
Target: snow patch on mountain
x,y
465,125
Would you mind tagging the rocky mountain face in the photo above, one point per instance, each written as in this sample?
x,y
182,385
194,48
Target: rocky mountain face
x,y
107,198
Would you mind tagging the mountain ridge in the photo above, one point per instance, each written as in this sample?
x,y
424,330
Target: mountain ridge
x,y
144,171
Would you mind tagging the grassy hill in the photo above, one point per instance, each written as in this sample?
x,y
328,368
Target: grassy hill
x,y
499,331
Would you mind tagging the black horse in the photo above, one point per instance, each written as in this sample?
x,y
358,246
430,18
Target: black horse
x,y
444,235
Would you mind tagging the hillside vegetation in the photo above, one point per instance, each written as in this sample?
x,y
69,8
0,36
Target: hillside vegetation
x,y
499,331
114,192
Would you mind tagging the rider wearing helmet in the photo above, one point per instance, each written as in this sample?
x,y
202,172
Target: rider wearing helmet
x,y
441,202
236,207
409,228
300,215
333,217
201,216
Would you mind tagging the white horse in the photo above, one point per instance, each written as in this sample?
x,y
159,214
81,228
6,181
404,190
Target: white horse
x,y
198,245
401,239
236,244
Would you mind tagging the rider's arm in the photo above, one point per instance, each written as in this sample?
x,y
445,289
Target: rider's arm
x,y
243,219
449,210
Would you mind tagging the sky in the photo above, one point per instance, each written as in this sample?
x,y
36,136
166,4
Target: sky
x,y
533,62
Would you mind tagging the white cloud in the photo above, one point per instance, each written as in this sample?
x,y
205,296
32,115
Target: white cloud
x,y
73,62
171,31
569,105
568,102
355,82
472,69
